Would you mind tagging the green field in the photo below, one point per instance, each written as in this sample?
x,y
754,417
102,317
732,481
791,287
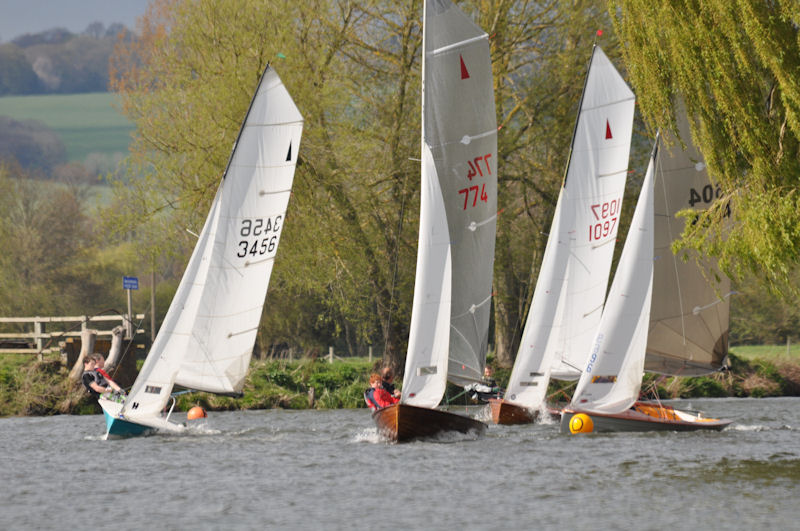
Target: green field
x,y
768,352
87,123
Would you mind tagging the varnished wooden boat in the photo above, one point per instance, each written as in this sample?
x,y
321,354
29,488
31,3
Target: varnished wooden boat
x,y
508,413
403,422
643,416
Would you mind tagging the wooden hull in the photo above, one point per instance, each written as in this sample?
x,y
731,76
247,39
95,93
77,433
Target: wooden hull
x,y
403,422
508,413
644,416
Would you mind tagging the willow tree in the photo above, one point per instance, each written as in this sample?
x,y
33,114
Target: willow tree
x,y
736,66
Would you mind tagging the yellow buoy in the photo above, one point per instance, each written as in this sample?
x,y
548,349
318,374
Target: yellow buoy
x,y
581,423
196,413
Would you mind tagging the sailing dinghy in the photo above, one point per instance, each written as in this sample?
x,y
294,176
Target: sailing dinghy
x,y
207,337
458,209
573,277
606,398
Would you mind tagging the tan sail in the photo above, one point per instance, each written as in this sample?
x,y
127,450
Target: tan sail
x,y
689,315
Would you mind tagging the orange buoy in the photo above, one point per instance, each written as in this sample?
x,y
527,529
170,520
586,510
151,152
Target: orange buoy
x,y
196,413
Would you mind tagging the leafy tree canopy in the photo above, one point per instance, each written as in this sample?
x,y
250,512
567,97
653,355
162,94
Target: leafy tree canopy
x,y
734,64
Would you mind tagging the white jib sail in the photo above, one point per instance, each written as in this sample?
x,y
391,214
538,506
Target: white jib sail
x,y
689,317
452,295
613,373
571,287
207,337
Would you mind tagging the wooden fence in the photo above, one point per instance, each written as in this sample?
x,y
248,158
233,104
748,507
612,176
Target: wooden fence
x,y
41,335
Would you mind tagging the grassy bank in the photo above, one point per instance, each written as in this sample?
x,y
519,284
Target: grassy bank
x,y
42,388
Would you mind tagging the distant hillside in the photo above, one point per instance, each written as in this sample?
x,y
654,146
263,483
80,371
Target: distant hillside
x,y
94,133
57,61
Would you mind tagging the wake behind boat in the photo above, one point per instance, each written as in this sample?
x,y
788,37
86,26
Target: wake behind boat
x,y
449,330
207,337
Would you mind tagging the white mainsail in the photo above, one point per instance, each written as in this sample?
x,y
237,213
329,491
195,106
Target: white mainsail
x,y
571,287
207,337
689,317
452,293
612,377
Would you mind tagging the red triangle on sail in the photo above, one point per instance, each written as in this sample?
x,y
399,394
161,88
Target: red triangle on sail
x,y
464,73
608,131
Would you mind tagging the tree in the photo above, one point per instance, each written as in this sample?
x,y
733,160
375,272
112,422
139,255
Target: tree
x,y
734,65
16,74
31,143
51,263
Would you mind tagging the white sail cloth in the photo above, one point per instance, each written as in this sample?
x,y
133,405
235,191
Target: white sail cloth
x,y
571,287
613,372
207,337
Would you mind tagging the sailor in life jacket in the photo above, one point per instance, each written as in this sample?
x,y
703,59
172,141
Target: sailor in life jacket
x,y
376,396
92,380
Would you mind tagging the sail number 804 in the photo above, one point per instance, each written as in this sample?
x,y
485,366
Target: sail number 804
x,y
259,236
605,215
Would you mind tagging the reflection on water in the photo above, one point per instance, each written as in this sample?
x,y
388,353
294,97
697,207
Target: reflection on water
x,y
331,470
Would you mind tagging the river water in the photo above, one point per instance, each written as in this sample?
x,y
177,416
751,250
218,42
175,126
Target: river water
x,y
279,469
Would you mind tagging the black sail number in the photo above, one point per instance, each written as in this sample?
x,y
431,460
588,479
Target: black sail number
x,y
259,236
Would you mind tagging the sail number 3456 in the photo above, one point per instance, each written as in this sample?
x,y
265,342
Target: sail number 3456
x,y
259,236
605,216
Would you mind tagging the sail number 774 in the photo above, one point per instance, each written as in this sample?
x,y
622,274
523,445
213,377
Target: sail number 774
x,y
605,219
476,192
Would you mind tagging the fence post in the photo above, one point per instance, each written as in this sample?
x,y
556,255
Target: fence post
x,y
370,353
330,354
38,328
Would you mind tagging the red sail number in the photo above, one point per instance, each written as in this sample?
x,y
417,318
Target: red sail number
x,y
606,216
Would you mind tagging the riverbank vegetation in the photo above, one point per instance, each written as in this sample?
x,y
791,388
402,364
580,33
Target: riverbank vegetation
x,y
42,388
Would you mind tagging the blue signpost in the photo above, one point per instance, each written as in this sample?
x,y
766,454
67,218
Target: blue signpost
x,y
128,284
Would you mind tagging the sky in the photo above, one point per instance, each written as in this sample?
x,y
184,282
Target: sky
x,y
18,17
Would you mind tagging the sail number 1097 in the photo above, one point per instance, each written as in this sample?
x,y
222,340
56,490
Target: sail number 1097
x,y
605,217
259,236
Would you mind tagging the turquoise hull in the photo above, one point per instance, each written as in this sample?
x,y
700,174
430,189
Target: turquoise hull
x,y
122,428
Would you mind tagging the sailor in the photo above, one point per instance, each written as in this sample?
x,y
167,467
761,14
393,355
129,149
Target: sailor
x,y
376,396
99,362
93,380
387,382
